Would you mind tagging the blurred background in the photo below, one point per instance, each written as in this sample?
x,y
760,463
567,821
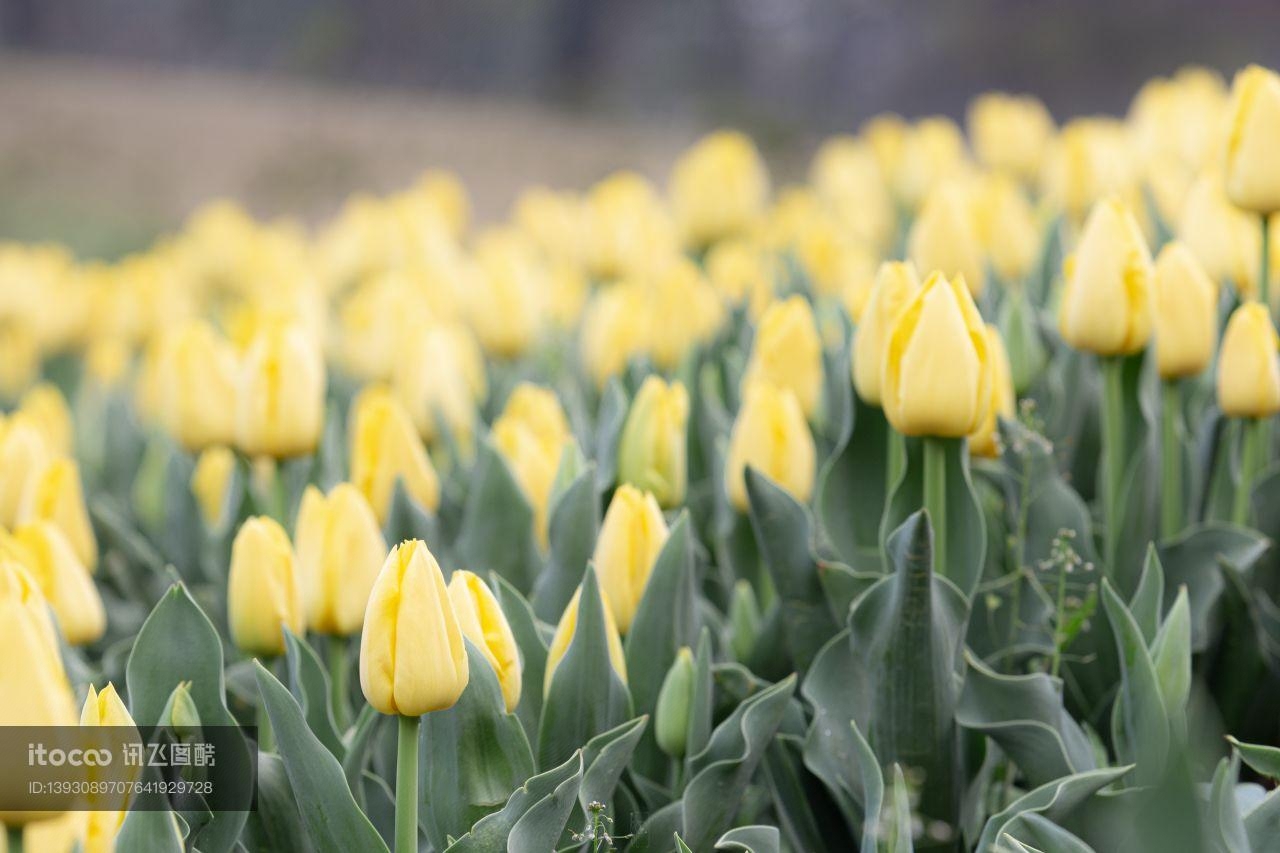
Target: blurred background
x,y
118,117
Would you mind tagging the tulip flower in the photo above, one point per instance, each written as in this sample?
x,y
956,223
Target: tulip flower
x,y
630,539
686,311
742,272
628,227
198,398
385,448
1186,328
671,715
1252,173
718,188
1089,161
33,685
943,237
48,410
104,708
771,435
64,581
895,285
1249,388
1010,133
1007,227
56,495
340,552
847,177
933,151
412,661
506,302
263,592
531,434
482,621
1004,400
886,134
563,638
432,381
280,408
24,454
787,352
1223,237
210,481
653,448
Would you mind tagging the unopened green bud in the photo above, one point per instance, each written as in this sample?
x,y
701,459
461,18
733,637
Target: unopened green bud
x,y
744,620
180,713
1021,333
671,717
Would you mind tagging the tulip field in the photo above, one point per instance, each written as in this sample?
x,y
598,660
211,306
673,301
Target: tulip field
x,y
928,502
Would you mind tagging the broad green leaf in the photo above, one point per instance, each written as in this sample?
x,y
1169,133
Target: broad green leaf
x,y
534,817
802,809
572,530
359,743
1140,723
1224,825
871,782
853,482
497,523
276,823
407,519
1171,655
612,415
1190,560
831,750
1265,760
751,839
604,759
329,812
1033,828
310,686
1055,801
152,831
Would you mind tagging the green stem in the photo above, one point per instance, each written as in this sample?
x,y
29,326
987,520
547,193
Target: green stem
x,y
1171,488
1113,454
896,462
1018,553
935,499
1264,274
13,835
1059,603
338,689
1254,445
407,786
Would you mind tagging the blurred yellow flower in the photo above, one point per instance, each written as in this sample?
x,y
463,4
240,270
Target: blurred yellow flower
x,y
718,188
56,494
482,621
1186,313
1010,133
1003,401
771,435
787,352
1253,171
263,592
895,286
280,408
340,550
210,481
943,238
653,447
631,537
65,582
385,448
1248,372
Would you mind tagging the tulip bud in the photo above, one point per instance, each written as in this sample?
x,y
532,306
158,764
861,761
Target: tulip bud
x,y
23,456
64,581
1186,316
771,435
56,495
937,371
198,397
412,657
280,408
180,713
1248,375
886,133
628,227
1020,329
631,536
263,595
33,685
1106,299
1007,228
744,620
482,621
943,238
531,434
48,410
340,551
895,285
686,312
653,449
787,352
431,380
385,448
1010,133
742,272
210,481
1089,160
1003,400
105,709
616,327
718,188
932,152
1224,238
671,715
506,300
1253,173
563,638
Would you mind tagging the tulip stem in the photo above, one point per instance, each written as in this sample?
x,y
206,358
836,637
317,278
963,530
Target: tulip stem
x,y
897,460
338,681
1113,454
1171,495
407,786
1264,274
935,499
13,835
1255,437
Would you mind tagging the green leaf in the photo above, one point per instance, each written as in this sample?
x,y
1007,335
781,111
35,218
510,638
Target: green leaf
x,y
605,757
783,530
276,823
1225,827
152,831
407,519
853,482
609,422
310,686
533,652
1265,760
1190,560
871,782
533,818
359,743
1262,824
1034,828
585,696
329,812
1147,605
751,839
899,836
572,531
1140,723
497,523
1171,655
1055,801
177,643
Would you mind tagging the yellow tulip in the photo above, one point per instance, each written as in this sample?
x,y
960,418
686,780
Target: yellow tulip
x,y
1007,227
19,359
1003,400
563,638
556,221
742,272
944,238
628,227
833,259
771,435
932,152
1253,173
1106,299
1178,118
48,410
1223,237
1248,374
718,188
33,685
56,495
210,481
895,286
385,448
531,434
615,329
654,447
685,310
631,537
1090,160
412,657
431,380
787,352
280,408
23,456
106,361
198,398
64,581
104,709
447,194
847,177
340,550
1186,313
507,299
937,369
1010,133
887,135
539,409
263,592
482,621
